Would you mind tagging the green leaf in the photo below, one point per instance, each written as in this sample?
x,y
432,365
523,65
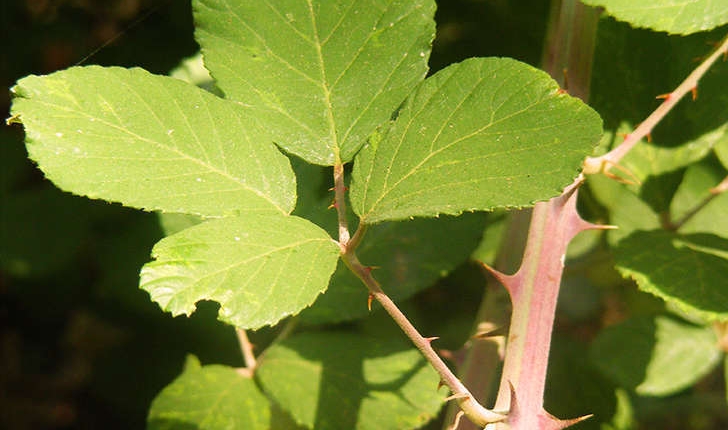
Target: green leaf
x,y
648,159
481,134
321,75
690,271
260,268
693,192
210,398
656,356
650,64
409,257
721,150
151,142
672,16
350,381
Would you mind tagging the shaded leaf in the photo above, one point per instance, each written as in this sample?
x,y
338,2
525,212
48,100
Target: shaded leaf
x,y
481,134
409,257
656,356
721,151
150,142
690,271
672,16
209,398
650,64
693,192
627,211
260,268
321,75
350,381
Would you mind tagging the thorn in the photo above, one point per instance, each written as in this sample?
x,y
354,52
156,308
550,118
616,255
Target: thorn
x,y
625,136
440,384
368,269
665,96
649,137
488,331
721,187
565,72
369,301
457,396
694,92
431,339
333,205
562,91
14,119
334,188
456,423
619,179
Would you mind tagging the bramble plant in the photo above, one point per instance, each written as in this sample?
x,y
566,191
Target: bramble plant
x,y
310,95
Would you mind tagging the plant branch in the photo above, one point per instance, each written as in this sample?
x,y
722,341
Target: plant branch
x,y
534,290
469,405
603,163
247,349
340,204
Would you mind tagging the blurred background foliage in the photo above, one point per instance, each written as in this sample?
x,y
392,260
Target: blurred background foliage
x,y
82,347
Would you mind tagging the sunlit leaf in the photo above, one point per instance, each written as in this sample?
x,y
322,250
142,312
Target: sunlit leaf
x,y
321,75
260,268
478,135
672,16
150,142
210,398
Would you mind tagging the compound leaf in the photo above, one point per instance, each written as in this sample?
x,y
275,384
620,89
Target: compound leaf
x,y
335,381
322,75
689,271
672,16
481,134
260,268
150,142
210,398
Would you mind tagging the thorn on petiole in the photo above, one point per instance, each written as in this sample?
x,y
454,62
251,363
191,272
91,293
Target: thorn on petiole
x,y
665,96
369,301
457,396
609,164
694,92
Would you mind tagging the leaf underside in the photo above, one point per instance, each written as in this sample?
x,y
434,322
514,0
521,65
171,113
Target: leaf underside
x,y
478,135
151,142
260,268
321,75
672,16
